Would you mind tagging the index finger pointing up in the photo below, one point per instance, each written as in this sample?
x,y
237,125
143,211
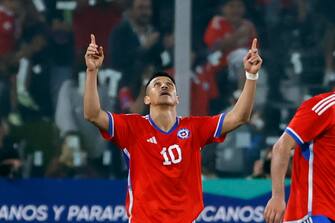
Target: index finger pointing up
x,y
93,39
254,44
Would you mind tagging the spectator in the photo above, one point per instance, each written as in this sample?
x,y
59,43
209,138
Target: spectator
x,y
10,162
61,48
301,54
69,116
71,161
106,16
134,40
69,119
204,89
9,30
33,79
230,155
261,168
129,102
229,34
326,10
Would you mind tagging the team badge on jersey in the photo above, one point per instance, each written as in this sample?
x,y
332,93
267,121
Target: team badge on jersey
x,y
183,134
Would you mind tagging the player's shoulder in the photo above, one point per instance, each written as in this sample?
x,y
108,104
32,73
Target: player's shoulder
x,y
186,120
132,116
320,103
195,119
190,118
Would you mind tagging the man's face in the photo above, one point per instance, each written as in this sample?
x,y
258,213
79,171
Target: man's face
x,y
161,91
233,10
141,11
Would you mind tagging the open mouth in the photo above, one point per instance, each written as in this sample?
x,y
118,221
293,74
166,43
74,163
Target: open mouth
x,y
165,93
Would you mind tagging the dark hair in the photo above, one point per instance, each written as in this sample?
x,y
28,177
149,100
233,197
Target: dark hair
x,y
160,74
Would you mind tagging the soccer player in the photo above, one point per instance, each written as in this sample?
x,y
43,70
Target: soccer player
x,y
164,181
312,133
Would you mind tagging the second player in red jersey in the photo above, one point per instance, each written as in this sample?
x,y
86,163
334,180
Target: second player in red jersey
x,y
312,133
164,181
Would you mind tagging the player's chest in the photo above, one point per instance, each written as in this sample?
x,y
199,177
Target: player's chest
x,y
165,149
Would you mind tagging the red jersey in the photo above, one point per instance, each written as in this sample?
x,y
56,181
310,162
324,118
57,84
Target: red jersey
x,y
313,177
7,31
164,181
218,28
204,89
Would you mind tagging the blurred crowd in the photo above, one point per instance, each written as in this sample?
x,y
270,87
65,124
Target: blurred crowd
x,y
42,44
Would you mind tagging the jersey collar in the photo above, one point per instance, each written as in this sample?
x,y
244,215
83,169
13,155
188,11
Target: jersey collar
x,y
162,131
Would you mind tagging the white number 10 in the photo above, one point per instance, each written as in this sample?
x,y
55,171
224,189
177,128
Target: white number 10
x,y
169,156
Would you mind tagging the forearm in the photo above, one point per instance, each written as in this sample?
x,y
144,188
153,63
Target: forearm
x,y
92,106
244,105
241,112
279,165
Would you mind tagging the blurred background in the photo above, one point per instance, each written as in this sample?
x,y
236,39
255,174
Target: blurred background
x,y
42,72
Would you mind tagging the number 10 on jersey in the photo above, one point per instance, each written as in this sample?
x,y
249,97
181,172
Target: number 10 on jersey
x,y
171,157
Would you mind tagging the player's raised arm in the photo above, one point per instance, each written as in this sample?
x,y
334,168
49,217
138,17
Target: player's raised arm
x,y
92,111
241,112
275,208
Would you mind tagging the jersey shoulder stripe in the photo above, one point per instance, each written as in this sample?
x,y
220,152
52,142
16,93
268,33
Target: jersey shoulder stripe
x,y
323,105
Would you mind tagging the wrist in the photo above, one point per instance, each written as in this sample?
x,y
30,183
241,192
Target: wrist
x,y
279,195
92,69
251,76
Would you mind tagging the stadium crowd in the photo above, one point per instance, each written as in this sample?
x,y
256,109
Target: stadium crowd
x,y
42,71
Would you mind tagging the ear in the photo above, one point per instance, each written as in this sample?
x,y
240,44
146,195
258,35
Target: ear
x,y
177,99
147,100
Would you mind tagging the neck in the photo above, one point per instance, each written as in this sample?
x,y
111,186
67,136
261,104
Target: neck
x,y
164,117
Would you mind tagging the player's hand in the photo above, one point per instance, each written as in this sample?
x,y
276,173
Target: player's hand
x,y
274,210
252,61
94,55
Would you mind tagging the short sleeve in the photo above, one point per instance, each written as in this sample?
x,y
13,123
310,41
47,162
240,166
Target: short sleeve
x,y
118,129
209,129
310,121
